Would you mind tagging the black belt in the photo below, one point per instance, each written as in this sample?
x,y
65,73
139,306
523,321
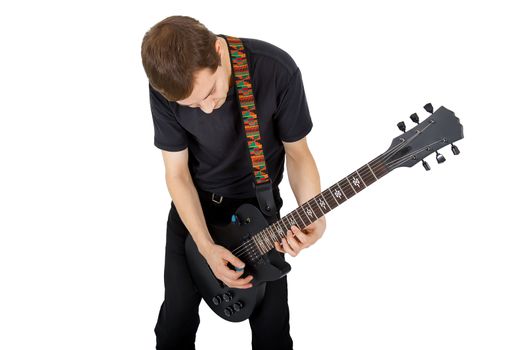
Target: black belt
x,y
219,199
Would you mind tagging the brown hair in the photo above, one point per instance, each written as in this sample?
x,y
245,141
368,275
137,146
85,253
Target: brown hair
x,y
173,50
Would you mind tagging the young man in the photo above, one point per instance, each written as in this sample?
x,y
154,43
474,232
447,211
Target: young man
x,y
198,127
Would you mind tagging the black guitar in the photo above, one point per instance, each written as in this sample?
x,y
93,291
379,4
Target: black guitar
x,y
250,238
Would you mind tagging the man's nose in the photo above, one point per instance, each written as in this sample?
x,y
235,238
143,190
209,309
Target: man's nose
x,y
207,107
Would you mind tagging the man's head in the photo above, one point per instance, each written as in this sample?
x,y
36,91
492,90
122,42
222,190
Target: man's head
x,y
187,63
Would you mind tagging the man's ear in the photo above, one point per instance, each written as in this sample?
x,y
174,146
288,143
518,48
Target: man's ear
x,y
218,49
218,46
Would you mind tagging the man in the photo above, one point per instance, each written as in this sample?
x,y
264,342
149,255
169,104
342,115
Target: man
x,y
198,127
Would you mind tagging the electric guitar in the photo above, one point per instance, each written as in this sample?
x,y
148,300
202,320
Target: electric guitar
x,y
250,238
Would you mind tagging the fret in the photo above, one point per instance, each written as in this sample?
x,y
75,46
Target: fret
x,y
322,203
304,225
317,204
276,238
264,242
312,212
317,201
269,232
336,195
328,204
290,225
270,241
356,182
305,213
344,194
255,246
280,230
361,178
330,200
355,192
267,240
372,171
261,243
278,223
370,176
257,243
311,208
292,221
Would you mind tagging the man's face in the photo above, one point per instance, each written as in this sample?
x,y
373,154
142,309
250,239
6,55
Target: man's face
x,y
210,89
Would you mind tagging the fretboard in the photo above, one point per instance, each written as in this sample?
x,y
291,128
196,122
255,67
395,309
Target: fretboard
x,y
320,204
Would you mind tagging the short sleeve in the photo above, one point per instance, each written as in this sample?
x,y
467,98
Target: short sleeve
x,y
292,115
168,133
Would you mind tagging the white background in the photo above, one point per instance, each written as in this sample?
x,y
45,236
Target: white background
x,y
421,260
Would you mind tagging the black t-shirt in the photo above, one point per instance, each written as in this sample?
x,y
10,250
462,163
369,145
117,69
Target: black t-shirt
x,y
219,159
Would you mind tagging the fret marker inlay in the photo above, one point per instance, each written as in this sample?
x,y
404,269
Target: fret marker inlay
x,y
372,171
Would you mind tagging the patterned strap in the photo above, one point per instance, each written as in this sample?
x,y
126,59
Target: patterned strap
x,y
247,105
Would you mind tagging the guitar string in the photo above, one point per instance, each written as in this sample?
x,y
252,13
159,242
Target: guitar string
x,y
251,250
409,155
250,244
248,248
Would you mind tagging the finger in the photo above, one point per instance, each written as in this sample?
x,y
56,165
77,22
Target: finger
x,y
300,235
278,247
287,248
232,259
245,286
293,242
239,283
245,280
229,273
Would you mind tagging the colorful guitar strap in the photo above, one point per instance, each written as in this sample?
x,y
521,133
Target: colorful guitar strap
x,y
243,85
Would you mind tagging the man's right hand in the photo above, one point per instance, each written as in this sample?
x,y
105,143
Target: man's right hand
x,y
218,258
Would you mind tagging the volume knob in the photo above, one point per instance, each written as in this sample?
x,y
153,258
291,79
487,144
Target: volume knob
x,y
238,306
228,311
216,300
227,296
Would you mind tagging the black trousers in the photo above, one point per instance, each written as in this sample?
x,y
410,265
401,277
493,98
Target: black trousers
x,y
178,317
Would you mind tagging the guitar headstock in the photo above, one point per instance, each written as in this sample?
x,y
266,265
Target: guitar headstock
x,y
440,129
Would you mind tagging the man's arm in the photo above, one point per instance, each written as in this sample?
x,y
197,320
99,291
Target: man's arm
x,y
302,171
305,183
185,197
186,200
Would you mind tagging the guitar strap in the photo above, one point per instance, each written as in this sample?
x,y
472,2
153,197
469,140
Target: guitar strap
x,y
243,85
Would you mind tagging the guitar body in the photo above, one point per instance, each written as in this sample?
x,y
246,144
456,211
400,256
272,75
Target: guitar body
x,y
233,304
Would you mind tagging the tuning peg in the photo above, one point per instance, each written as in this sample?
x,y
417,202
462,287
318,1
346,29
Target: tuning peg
x,y
428,107
402,126
440,158
415,118
425,165
455,149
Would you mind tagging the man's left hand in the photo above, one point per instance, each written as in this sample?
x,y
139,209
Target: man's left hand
x,y
296,240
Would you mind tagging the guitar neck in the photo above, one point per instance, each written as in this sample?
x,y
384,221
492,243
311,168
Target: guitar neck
x,y
322,203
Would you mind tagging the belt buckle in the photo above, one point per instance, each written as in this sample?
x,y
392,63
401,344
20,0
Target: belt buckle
x,y
214,200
